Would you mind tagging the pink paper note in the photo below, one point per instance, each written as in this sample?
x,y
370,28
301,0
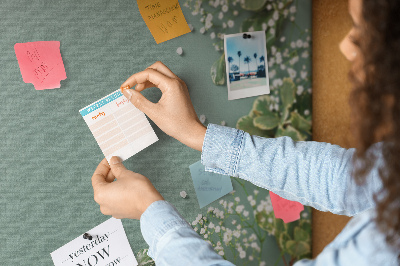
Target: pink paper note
x,y
284,209
41,64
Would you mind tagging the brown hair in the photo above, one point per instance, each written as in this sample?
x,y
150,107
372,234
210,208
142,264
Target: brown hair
x,y
375,101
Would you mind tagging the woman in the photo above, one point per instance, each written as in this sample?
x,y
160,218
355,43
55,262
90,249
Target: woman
x,y
320,175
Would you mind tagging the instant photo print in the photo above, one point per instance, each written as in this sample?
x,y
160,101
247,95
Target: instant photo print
x,y
246,64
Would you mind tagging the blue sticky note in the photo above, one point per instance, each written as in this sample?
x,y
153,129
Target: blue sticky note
x,y
209,186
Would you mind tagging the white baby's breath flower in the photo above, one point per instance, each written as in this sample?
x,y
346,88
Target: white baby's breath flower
x,y
275,16
231,23
221,15
202,231
280,5
221,253
272,31
224,25
292,18
212,35
300,90
303,74
292,9
202,30
304,215
269,7
242,254
283,39
306,112
271,22
235,13
245,213
264,26
293,45
208,24
305,54
252,203
224,8
239,208
237,199
299,43
234,222
217,229
251,29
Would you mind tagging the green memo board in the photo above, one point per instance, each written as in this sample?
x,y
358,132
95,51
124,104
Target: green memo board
x,y
48,154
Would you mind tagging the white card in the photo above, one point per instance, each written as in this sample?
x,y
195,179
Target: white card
x,y
108,247
118,126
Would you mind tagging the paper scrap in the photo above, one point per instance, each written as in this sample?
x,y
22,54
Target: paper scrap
x,y
109,246
284,209
118,126
209,186
41,64
164,18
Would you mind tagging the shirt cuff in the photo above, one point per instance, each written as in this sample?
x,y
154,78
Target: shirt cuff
x,y
158,219
222,148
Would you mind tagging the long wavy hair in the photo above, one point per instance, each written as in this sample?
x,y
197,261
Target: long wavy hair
x,y
375,103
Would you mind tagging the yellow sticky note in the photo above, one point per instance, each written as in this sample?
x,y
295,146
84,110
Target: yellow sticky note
x,y
164,18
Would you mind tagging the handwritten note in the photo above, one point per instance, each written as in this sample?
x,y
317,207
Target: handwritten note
x,y
209,186
118,126
164,18
109,246
41,64
284,209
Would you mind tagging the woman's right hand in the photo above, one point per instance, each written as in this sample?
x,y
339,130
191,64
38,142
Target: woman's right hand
x,y
173,113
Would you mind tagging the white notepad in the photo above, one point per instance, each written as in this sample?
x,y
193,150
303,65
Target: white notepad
x,y
118,126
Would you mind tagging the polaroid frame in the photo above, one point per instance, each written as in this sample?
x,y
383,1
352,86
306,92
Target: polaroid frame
x,y
258,36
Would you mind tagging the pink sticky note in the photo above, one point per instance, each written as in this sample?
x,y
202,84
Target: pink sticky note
x,y
41,64
284,209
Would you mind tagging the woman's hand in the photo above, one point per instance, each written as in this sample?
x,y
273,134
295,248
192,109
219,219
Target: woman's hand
x,y
174,113
128,196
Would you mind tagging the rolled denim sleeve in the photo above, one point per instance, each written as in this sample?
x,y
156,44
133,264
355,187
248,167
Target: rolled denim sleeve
x,y
313,173
172,241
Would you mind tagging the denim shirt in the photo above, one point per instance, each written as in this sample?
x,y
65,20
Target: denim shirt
x,y
312,173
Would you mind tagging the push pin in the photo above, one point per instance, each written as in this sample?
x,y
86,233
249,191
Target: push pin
x,y
246,36
87,236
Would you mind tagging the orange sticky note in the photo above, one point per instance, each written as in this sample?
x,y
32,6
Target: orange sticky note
x,y
284,209
164,18
41,64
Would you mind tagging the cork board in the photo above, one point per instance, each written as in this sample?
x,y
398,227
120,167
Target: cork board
x,y
331,89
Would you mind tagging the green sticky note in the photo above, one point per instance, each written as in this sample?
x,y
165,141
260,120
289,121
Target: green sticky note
x,y
209,186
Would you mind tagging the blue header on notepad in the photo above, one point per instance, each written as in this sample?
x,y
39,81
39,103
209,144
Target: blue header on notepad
x,y
101,103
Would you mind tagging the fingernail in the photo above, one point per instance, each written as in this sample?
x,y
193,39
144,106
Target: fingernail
x,y
115,160
129,92
125,88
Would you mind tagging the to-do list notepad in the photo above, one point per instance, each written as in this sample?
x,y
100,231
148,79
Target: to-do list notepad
x,y
118,126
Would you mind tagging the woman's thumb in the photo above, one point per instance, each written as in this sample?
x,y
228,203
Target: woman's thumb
x,y
116,166
138,100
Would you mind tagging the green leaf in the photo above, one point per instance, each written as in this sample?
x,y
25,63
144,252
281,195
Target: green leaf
x,y
261,106
297,248
256,21
266,122
287,93
253,5
143,259
245,123
300,123
283,239
301,235
218,71
290,132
